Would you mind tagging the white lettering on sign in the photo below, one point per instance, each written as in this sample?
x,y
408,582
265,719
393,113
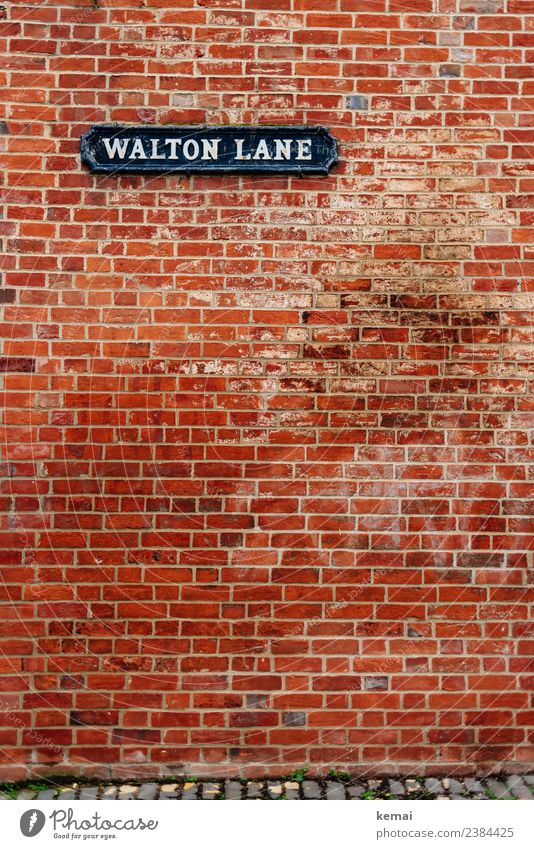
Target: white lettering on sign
x,y
304,149
261,150
138,151
210,148
239,146
282,149
174,144
116,147
190,149
217,149
154,154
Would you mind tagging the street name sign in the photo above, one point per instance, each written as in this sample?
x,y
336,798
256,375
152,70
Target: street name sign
x,y
111,149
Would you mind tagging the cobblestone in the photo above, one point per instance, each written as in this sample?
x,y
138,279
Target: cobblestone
x,y
47,794
254,789
168,791
128,791
210,790
291,790
189,790
66,794
446,788
109,793
356,791
233,790
335,790
456,787
518,788
473,786
147,791
274,789
433,786
397,788
498,789
89,792
311,789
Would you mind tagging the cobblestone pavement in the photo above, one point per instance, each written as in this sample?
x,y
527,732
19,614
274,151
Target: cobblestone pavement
x,y
333,787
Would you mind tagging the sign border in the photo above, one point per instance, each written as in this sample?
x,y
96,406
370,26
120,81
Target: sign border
x,y
287,168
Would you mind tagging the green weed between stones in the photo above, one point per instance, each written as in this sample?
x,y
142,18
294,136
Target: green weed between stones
x,y
341,775
10,790
299,774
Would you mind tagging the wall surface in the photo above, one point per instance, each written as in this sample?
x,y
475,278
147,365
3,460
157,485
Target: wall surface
x,y
265,483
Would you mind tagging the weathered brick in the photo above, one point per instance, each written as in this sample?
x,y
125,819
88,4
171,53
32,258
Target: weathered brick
x,y
357,101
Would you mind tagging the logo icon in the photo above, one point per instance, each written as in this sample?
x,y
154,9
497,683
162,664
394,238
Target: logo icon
x,y
32,822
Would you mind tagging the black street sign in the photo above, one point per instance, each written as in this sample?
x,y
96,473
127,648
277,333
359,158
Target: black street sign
x,y
109,149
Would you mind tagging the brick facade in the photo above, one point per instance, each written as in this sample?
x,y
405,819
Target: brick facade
x,y
265,483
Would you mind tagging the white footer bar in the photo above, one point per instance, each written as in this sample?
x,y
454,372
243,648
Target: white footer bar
x,y
315,825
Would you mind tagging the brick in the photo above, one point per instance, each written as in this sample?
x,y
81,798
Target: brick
x,y
357,101
377,682
294,718
265,472
17,364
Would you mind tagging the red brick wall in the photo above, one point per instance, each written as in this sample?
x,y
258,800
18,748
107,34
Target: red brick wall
x,y
266,438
